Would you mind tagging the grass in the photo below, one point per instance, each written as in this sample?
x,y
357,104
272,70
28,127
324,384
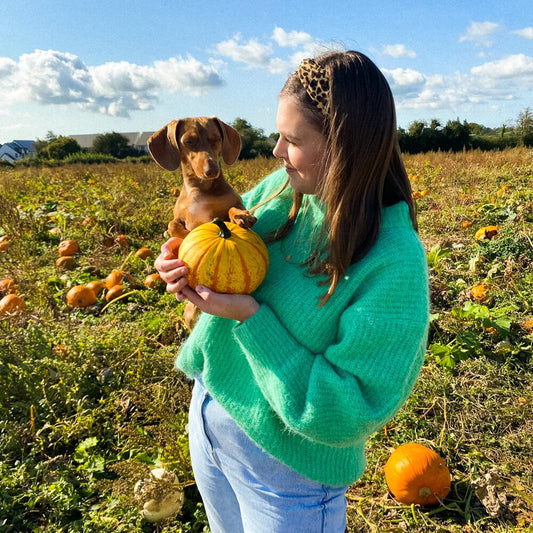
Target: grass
x,y
89,400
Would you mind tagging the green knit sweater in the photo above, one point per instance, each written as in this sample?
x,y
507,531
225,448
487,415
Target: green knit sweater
x,y
309,384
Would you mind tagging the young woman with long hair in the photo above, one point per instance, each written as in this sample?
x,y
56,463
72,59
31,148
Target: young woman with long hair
x,y
291,380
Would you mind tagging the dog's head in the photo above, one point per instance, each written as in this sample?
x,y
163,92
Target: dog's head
x,y
197,142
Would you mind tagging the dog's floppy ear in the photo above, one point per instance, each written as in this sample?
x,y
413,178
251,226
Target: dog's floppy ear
x,y
231,142
163,146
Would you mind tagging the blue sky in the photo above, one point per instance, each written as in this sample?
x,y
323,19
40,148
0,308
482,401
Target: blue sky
x,y
74,67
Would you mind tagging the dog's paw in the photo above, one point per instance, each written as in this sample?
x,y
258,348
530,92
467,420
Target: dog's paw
x,y
244,219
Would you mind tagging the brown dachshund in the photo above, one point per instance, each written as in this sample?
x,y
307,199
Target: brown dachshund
x,y
197,144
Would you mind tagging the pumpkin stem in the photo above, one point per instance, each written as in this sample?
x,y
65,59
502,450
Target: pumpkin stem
x,y
225,233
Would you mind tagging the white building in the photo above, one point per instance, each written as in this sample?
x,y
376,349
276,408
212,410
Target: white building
x,y
16,150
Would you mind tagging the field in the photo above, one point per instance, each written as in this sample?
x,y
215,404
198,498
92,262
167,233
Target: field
x,y
90,402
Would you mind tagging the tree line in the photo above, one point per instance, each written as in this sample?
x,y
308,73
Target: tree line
x,y
457,136
420,136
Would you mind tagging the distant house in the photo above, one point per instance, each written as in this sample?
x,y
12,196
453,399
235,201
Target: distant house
x,y
136,139
16,150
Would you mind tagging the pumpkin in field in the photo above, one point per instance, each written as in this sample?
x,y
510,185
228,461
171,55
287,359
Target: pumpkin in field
x,y
152,280
81,296
118,277
97,286
224,257
11,303
486,233
479,292
7,286
144,253
68,247
416,474
123,241
114,292
66,262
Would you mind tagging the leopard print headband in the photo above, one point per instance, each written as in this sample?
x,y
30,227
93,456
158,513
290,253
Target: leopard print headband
x,y
315,80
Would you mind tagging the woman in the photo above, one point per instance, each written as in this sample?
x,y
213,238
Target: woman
x,y
291,380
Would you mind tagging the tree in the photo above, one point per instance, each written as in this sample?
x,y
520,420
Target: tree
x,y
254,141
524,126
456,135
113,144
61,147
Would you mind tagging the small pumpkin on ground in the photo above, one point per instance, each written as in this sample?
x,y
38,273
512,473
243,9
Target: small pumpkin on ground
x,y
68,247
479,292
416,474
7,286
66,262
114,292
224,257
123,241
486,233
11,304
97,286
152,280
144,253
118,277
81,296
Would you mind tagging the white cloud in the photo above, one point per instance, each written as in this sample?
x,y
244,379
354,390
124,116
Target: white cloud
x,y
405,81
480,33
398,50
517,67
491,82
251,52
526,33
52,77
292,39
255,54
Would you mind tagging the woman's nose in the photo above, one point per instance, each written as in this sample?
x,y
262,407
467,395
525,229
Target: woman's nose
x,y
278,149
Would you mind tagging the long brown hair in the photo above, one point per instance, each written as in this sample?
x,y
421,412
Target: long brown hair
x,y
365,171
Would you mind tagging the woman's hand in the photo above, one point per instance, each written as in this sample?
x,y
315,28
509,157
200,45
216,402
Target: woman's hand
x,y
171,269
174,272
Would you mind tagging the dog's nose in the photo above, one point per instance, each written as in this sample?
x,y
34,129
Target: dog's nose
x,y
211,169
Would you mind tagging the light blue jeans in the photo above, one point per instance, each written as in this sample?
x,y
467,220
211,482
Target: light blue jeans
x,y
244,489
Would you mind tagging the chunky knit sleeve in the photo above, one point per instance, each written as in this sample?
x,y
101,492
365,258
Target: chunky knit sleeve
x,y
361,379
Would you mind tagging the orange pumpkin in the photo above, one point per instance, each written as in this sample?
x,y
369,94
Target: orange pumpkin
x,y
123,241
486,233
66,262
81,296
152,280
224,257
11,303
117,277
68,247
479,292
7,286
114,292
143,253
416,474
96,286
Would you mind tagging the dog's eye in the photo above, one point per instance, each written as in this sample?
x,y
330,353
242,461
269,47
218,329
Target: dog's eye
x,y
188,141
213,141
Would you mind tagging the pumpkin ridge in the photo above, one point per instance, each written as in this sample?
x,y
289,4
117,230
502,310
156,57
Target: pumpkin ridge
x,y
258,250
201,258
246,274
